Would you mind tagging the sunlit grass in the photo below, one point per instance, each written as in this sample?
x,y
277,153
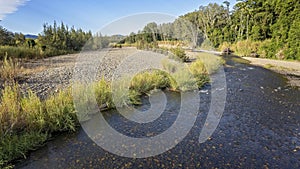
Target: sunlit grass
x,y
26,121
9,69
210,61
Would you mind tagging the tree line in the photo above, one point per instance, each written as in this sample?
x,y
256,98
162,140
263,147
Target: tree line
x,y
61,37
275,24
53,40
269,28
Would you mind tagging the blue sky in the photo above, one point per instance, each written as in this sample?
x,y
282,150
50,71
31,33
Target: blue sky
x,y
28,16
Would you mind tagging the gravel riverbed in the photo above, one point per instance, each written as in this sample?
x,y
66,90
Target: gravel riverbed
x,y
56,73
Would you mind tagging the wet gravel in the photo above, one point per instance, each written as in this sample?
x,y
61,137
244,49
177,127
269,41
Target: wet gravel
x,y
260,128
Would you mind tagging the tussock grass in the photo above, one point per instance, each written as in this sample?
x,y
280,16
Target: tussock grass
x,y
179,54
210,61
200,72
27,122
9,69
168,65
20,52
147,81
185,77
30,53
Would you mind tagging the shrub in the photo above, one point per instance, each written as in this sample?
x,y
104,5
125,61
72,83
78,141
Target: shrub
x,y
243,48
199,71
224,46
103,93
31,53
14,146
179,54
147,81
210,61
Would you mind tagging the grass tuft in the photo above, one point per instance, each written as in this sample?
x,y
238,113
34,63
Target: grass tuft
x,y
9,69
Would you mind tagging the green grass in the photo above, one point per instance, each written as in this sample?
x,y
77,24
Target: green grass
x,y
210,61
30,53
20,52
27,122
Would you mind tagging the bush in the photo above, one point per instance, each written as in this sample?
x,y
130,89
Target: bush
x,y
183,80
198,69
179,54
224,46
245,48
210,61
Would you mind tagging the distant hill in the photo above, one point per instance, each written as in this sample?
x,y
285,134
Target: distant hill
x,y
28,36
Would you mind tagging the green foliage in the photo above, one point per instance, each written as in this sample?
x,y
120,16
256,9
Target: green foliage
x,y
20,52
60,113
210,61
207,45
293,43
27,122
270,28
183,80
147,81
245,47
29,53
16,145
32,107
169,66
179,54
199,71
6,37
103,93
11,117
60,37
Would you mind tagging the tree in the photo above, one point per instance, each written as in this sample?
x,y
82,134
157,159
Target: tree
x,y
6,37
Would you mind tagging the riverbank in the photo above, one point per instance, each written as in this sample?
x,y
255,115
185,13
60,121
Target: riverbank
x,y
259,129
290,69
32,117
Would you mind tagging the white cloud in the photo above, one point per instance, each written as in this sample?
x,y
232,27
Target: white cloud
x,y
9,6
